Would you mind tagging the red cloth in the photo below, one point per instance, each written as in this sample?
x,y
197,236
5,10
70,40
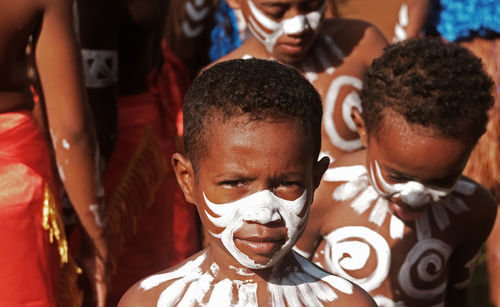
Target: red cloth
x,y
168,232
29,262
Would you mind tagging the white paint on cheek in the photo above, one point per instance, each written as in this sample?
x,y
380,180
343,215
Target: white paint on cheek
x,y
65,144
356,242
352,100
97,216
262,207
428,259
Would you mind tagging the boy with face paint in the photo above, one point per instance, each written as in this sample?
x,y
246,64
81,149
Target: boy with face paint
x,y
331,53
402,221
251,168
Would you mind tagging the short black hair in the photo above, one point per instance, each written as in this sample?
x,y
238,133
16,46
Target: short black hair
x,y
431,83
257,88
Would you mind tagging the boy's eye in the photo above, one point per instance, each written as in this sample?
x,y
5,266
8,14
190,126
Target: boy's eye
x,y
275,10
399,178
232,183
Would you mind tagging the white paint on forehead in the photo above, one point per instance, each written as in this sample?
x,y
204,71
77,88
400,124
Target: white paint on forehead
x,y
350,101
294,25
428,259
65,144
261,207
357,241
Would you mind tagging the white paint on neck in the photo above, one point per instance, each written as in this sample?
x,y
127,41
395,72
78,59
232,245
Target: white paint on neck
x,y
241,271
260,25
262,207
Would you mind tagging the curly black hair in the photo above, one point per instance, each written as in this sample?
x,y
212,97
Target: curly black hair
x,y
256,88
435,84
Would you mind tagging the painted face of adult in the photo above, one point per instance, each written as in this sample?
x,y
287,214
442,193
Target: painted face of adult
x,y
412,166
253,188
286,28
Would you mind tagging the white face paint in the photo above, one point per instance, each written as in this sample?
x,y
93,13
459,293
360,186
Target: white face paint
x,y
412,193
262,207
291,26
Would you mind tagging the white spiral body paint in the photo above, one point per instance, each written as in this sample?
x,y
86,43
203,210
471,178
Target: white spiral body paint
x,y
262,207
302,285
350,101
412,193
100,67
355,241
429,257
294,25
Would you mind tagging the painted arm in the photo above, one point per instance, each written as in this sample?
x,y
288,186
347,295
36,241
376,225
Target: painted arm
x,y
59,66
464,258
493,261
98,31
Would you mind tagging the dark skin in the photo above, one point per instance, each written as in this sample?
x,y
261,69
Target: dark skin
x,y
408,151
237,164
57,61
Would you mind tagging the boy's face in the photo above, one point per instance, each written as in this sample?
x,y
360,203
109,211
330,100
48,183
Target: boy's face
x,y
412,167
253,188
287,28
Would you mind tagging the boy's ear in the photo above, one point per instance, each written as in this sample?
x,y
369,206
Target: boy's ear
x,y
234,4
360,125
319,169
184,173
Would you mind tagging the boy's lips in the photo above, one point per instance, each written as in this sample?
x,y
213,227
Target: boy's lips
x,y
260,245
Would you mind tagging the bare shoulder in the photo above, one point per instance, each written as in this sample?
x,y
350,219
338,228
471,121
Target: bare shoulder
x,y
356,37
358,298
147,291
481,204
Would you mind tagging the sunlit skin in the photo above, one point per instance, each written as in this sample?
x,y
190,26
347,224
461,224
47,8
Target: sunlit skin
x,y
244,157
235,167
339,50
406,152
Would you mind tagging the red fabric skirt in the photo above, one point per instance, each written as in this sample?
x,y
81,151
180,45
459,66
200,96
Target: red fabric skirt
x,y
29,261
163,228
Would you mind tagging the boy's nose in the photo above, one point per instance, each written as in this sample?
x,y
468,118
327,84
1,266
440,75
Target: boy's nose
x,y
263,215
295,25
